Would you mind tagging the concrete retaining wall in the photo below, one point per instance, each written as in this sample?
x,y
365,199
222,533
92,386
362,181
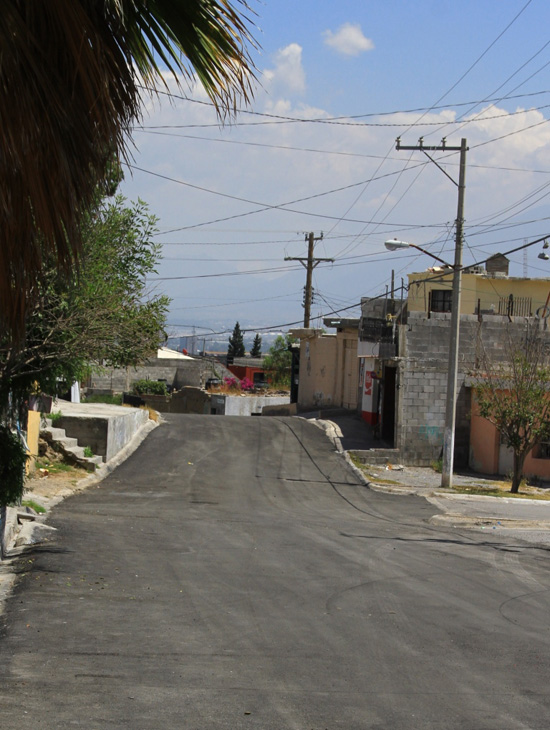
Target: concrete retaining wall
x,y
105,429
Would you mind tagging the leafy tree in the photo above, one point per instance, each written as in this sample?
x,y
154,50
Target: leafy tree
x,y
513,394
103,316
278,361
236,343
256,350
73,75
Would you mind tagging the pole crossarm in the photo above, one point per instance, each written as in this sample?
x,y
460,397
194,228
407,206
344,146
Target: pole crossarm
x,y
305,261
309,264
420,147
443,147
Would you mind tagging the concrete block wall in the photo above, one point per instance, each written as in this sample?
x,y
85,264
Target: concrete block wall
x,y
423,369
177,373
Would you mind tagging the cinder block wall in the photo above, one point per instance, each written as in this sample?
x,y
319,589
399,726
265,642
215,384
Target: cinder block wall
x,y
423,368
177,373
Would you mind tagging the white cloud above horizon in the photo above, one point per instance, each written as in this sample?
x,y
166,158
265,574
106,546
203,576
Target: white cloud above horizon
x,y
288,76
348,40
226,201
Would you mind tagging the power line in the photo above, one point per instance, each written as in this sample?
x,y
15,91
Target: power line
x,y
280,118
266,206
478,59
362,155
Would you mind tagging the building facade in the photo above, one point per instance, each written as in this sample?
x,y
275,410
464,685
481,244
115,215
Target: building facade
x,y
329,368
404,353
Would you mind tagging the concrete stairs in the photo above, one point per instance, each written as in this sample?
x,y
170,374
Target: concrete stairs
x,y
69,447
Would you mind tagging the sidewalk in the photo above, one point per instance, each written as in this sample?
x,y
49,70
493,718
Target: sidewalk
x,y
528,518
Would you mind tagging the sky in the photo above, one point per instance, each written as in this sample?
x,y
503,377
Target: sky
x,y
315,151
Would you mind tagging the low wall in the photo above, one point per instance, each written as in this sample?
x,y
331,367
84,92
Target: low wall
x,y
287,409
177,374
105,430
245,405
186,400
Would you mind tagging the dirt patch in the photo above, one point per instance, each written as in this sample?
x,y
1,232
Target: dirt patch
x,y
53,478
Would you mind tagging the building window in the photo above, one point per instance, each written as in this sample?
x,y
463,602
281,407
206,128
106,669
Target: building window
x,y
543,450
440,300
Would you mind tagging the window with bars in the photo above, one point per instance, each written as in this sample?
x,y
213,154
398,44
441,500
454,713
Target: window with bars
x,y
440,300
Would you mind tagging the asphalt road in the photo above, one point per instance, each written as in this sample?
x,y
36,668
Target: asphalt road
x,y
234,574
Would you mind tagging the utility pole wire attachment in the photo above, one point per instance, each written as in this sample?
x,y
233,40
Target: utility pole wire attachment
x,y
309,264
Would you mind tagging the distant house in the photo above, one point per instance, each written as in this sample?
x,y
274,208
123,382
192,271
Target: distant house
x,y
328,372
248,367
165,353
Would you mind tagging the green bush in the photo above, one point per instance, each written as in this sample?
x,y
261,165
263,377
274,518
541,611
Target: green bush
x,y
149,387
13,458
113,400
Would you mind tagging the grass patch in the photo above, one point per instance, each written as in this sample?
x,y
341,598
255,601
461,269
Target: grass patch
x,y
153,415
57,467
88,453
34,505
55,417
112,400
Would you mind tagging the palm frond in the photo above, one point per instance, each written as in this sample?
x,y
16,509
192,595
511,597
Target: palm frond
x,y
70,78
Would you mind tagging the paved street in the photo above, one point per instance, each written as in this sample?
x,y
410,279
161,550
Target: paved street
x,y
233,573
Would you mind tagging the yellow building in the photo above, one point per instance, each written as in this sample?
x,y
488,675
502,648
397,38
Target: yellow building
x,y
483,291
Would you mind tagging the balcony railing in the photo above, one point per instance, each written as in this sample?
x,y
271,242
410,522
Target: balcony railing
x,y
512,306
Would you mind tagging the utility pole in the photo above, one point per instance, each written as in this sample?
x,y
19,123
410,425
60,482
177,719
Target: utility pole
x,y
309,264
450,408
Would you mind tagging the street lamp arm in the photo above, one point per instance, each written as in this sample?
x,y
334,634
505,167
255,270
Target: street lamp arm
x,y
394,245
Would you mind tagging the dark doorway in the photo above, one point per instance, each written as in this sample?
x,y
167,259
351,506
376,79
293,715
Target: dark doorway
x,y
388,406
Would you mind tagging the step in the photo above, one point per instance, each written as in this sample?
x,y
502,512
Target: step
x,y
70,448
68,442
53,432
378,456
76,451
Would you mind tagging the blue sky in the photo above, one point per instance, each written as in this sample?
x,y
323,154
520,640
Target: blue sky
x,y
338,83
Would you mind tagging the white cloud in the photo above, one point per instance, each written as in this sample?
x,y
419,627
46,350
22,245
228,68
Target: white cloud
x,y
270,164
288,74
348,40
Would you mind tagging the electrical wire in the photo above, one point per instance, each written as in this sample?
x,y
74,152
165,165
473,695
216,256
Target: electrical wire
x,y
319,120
265,206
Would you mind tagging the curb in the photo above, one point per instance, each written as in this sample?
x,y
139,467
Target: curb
x,y
458,520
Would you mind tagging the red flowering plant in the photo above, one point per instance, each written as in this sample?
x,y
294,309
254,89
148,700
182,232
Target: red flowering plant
x,y
231,383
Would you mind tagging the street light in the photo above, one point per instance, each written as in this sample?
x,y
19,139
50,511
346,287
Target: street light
x,y
394,245
450,409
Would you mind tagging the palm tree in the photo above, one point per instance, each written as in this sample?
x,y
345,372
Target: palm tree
x,y
71,75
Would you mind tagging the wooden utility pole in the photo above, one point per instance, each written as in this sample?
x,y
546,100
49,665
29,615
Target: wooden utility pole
x,y
309,264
